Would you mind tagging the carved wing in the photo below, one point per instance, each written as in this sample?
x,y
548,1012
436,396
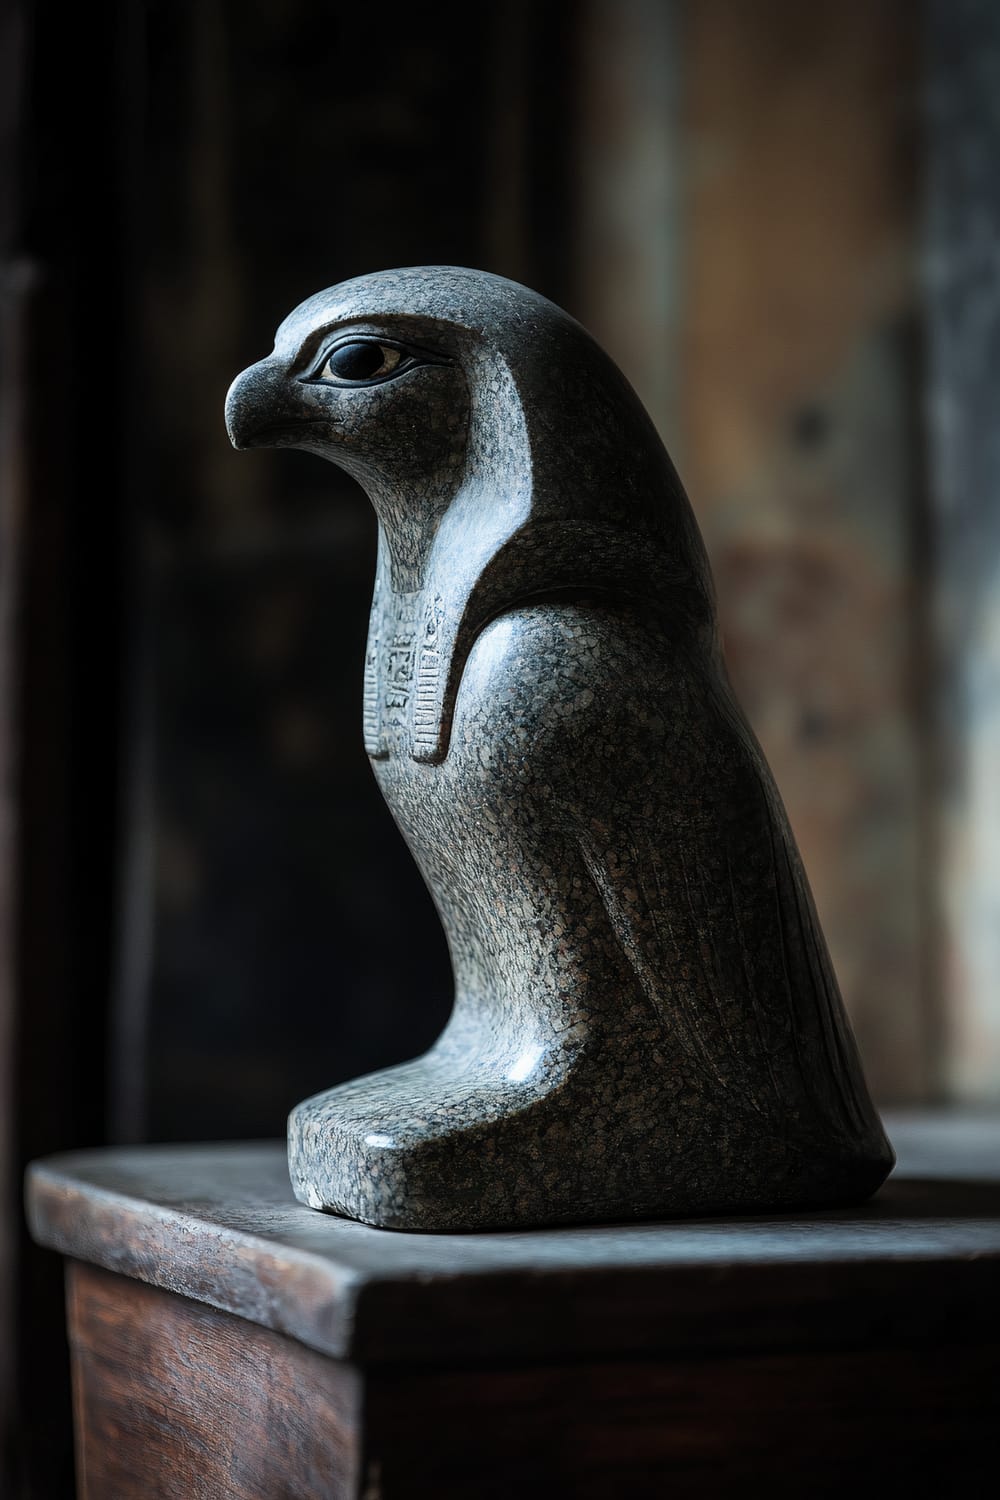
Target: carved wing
x,y
706,895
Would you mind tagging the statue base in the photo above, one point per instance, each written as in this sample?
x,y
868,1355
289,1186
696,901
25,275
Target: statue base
x,y
430,1147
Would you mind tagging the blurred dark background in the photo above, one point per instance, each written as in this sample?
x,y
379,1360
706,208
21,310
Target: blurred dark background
x,y
782,221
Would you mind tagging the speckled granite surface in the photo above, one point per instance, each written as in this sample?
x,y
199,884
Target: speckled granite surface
x,y
645,1020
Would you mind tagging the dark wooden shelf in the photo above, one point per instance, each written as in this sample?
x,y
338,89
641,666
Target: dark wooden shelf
x,y
884,1287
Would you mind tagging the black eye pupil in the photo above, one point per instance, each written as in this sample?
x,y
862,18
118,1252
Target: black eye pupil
x,y
357,361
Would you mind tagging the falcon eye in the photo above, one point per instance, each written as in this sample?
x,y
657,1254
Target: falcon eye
x,y
362,361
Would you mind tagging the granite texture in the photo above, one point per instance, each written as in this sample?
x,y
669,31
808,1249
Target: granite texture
x,y
646,1021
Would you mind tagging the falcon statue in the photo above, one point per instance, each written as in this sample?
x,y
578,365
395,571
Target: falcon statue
x,y
646,1021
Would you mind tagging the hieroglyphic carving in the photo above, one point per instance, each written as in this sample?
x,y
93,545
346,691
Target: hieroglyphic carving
x,y
397,666
371,715
425,708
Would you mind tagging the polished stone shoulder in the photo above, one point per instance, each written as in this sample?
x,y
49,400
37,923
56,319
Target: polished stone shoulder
x,y
558,668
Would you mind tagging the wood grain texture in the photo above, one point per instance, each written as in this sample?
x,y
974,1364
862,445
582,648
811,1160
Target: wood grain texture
x,y
809,1424
174,1399
219,1225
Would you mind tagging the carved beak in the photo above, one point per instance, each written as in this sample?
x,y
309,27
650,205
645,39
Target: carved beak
x,y
261,411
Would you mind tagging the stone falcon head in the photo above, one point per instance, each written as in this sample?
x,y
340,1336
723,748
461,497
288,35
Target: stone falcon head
x,y
505,454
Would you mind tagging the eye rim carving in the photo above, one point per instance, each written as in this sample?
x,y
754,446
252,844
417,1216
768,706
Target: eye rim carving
x,y
411,358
